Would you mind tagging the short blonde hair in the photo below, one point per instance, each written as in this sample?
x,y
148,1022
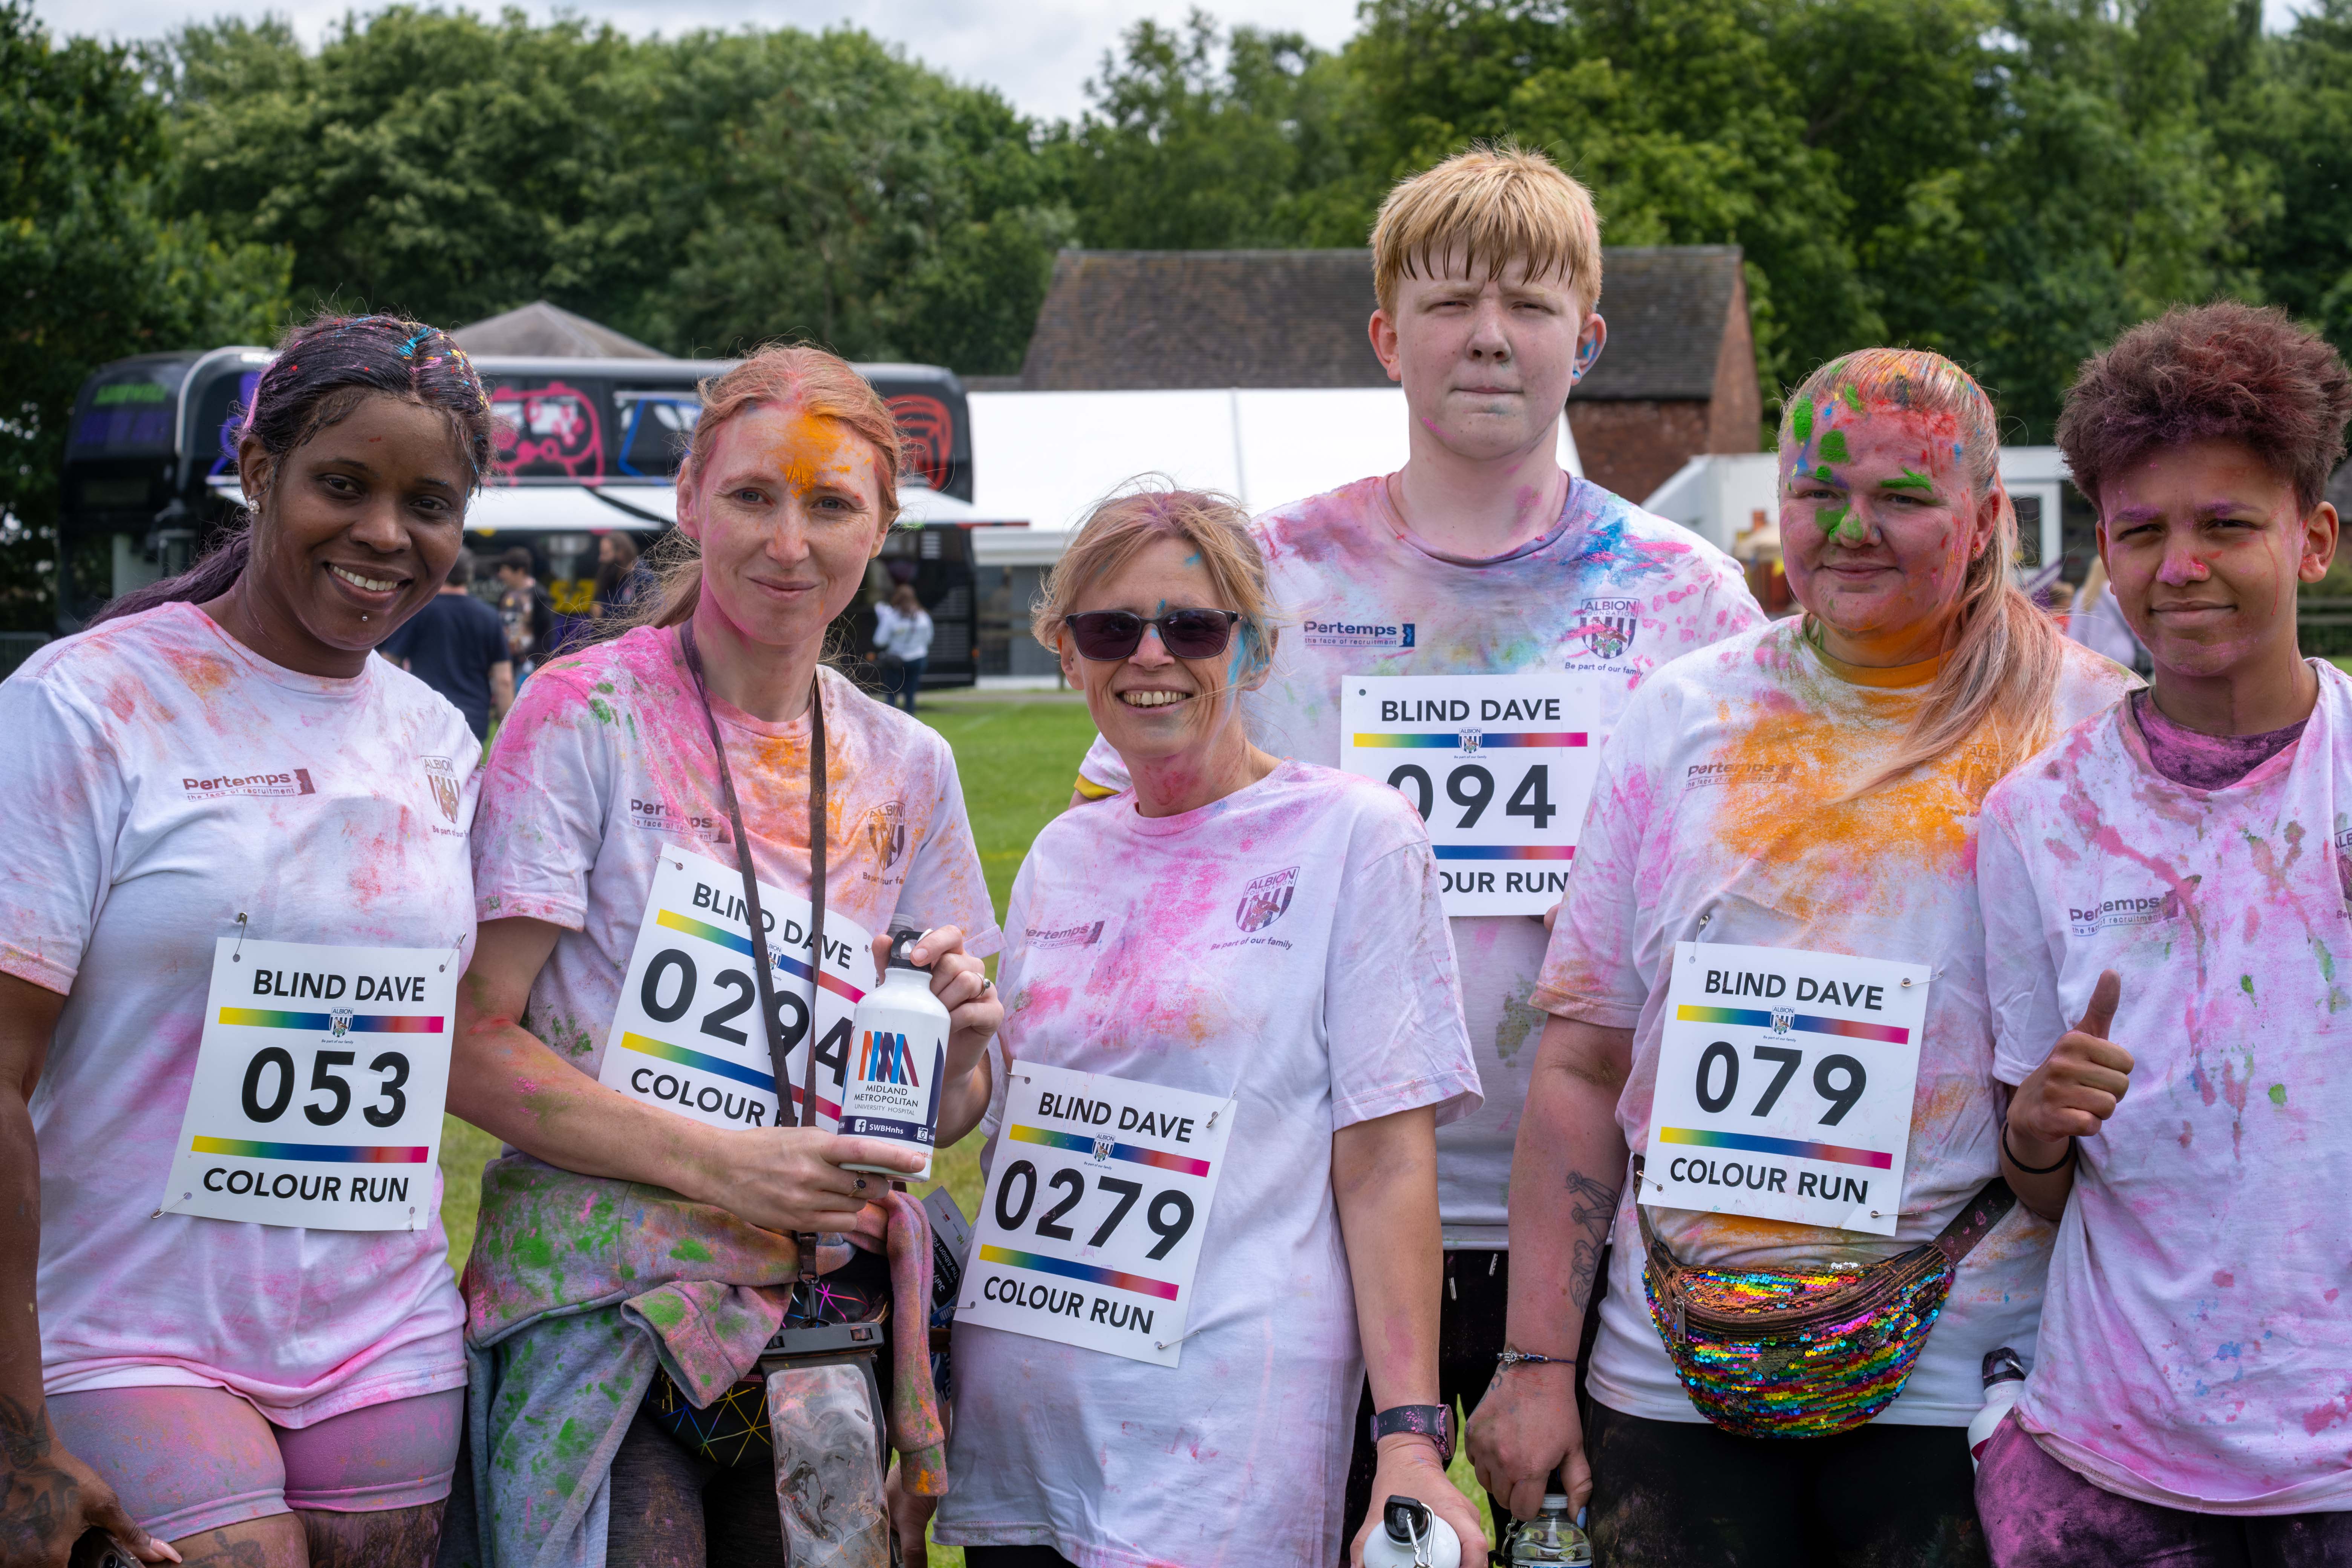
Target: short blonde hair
x,y
1497,202
1214,525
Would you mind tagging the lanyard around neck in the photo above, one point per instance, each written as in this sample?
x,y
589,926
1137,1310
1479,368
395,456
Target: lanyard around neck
x,y
762,971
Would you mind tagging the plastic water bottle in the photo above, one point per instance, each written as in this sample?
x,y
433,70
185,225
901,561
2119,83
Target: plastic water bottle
x,y
1410,1536
898,1050
2004,1380
1551,1536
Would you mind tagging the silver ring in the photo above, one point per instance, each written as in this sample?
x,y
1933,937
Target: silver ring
x,y
861,1184
986,986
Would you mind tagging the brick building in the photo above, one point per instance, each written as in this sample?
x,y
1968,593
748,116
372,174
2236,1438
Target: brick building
x,y
1678,377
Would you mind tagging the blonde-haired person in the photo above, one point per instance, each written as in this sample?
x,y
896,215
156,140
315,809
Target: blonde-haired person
x,y
1484,562
1807,793
631,1261
1238,928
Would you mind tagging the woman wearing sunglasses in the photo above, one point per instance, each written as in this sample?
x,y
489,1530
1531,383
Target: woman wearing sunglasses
x,y
1251,952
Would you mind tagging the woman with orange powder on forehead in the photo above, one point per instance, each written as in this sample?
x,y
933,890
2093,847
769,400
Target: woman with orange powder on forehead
x,y
668,817
1770,1061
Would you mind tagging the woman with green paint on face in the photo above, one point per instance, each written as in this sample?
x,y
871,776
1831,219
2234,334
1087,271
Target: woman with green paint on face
x,y
1769,1063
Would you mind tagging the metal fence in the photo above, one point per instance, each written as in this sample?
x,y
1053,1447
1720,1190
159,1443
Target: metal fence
x,y
16,648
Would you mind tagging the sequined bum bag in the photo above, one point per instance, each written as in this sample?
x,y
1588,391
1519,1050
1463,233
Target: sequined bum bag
x,y
1767,1354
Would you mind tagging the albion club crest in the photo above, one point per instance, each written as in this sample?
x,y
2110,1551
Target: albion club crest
x,y
338,1023
442,774
1264,900
1609,627
1782,1019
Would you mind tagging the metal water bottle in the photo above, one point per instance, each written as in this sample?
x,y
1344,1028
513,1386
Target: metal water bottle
x,y
1410,1536
1551,1536
2004,1380
897,1051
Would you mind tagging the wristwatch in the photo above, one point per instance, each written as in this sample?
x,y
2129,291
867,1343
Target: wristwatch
x,y
1434,1422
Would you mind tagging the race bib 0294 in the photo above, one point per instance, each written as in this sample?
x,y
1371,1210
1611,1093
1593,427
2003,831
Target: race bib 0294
x,y
318,1087
1499,766
1784,1085
687,1036
1089,1232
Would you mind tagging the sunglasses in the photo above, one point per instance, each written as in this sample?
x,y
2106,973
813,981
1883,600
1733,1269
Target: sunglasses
x,y
1107,635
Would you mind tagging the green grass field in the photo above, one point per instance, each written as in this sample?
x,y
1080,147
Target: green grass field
x,y
1016,756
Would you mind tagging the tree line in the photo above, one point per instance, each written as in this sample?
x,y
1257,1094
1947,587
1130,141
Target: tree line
x,y
2009,182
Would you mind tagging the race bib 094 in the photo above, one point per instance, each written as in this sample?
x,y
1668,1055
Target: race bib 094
x,y
1784,1085
318,1087
1499,766
687,1036
1089,1232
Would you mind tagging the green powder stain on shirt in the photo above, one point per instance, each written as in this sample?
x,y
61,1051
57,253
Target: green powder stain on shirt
x,y
2278,1094
691,1250
2246,984
596,705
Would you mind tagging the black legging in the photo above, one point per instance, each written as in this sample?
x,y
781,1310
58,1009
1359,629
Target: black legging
x,y
673,1509
1014,1557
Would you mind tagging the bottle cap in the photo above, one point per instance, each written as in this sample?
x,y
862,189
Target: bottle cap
x,y
2002,1366
902,943
1406,1520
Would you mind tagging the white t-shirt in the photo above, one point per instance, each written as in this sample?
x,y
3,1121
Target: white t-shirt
x,y
607,758
2197,1344
1608,588
1127,956
1717,818
902,635
184,781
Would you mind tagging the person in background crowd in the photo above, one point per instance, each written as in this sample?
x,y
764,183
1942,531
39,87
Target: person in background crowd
x,y
617,1418
902,635
233,774
1812,787
1483,560
2096,621
526,612
457,646
621,579
1319,1260
2165,895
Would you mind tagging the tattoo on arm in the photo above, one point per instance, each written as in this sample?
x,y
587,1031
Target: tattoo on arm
x,y
1591,1206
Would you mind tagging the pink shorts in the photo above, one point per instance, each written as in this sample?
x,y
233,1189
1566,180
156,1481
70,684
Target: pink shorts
x,y
186,1460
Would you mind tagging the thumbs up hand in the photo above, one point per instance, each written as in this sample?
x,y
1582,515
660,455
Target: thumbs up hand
x,y
2075,1091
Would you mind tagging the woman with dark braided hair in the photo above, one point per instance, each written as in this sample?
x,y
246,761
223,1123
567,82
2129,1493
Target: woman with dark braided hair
x,y
227,963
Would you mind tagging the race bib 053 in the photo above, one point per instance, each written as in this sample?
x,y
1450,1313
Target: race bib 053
x,y
318,1087
1089,1232
1784,1085
687,1036
1499,766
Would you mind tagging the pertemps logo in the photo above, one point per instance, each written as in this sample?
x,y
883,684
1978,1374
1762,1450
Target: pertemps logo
x,y
1609,626
1398,634
1263,901
283,781
1083,934
2109,914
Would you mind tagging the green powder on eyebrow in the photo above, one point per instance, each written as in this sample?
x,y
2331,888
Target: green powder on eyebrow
x,y
1912,479
1834,447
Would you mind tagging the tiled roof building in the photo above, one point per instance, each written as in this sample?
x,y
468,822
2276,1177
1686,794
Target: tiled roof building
x,y
1677,378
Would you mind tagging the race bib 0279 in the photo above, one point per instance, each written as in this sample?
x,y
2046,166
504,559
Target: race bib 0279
x,y
318,1087
1499,766
1784,1085
1089,1231
687,1036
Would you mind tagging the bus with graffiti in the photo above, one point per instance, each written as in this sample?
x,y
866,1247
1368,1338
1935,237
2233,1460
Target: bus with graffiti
x,y
586,447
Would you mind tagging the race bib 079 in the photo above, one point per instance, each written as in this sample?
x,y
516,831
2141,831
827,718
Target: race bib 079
x,y
1784,1085
1499,766
687,1036
1089,1231
318,1087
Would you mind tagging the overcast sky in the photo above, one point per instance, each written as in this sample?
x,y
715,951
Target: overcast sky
x,y
1038,53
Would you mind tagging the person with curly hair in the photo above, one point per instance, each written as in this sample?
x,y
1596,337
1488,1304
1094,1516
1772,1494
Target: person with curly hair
x,y
2167,890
